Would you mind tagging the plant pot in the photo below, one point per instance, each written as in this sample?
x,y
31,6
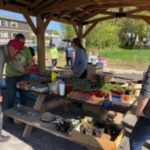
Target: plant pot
x,y
82,129
89,132
98,132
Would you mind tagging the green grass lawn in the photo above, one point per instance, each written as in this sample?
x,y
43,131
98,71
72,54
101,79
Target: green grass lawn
x,y
125,58
137,59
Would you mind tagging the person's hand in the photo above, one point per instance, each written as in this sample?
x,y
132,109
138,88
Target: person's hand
x,y
22,70
1,99
28,68
140,114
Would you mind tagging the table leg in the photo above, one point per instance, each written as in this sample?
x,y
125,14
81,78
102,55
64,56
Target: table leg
x,y
65,106
37,106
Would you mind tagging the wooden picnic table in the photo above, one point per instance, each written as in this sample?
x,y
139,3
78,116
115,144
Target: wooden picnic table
x,y
40,106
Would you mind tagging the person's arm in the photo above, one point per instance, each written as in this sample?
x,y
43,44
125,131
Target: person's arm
x,y
1,73
142,101
29,67
144,94
30,62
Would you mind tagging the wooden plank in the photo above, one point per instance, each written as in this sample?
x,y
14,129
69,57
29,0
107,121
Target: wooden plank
x,y
98,20
90,28
47,21
41,45
37,106
36,3
24,2
34,121
90,141
30,22
51,104
64,6
39,101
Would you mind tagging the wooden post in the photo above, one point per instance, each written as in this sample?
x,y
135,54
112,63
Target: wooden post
x,y
41,45
81,29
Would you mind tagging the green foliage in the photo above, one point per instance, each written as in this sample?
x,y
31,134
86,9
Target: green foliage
x,y
113,86
68,30
105,34
111,33
55,32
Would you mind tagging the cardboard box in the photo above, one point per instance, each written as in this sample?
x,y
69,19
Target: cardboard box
x,y
102,143
93,69
104,77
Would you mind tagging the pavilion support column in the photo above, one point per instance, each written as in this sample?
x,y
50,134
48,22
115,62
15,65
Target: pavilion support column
x,y
41,45
80,33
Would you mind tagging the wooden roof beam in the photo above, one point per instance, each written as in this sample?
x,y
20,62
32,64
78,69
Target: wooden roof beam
x,y
81,9
24,2
62,20
121,9
76,29
147,20
36,3
98,20
46,23
89,29
62,6
46,4
13,8
138,16
134,11
29,20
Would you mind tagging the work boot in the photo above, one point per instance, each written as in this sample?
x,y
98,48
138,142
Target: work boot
x,y
4,138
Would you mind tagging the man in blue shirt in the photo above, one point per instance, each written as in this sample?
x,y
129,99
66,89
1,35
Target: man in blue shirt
x,y
69,54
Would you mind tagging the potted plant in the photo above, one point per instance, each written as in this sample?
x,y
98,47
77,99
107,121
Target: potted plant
x,y
88,128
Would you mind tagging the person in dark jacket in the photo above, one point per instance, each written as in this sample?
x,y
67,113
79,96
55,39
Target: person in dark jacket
x,y
81,59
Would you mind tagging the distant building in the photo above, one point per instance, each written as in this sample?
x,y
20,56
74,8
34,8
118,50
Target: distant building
x,y
10,26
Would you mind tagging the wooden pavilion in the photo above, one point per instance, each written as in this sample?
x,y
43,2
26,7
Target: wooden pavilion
x,y
75,12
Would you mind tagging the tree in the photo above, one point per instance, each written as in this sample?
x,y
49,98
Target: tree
x,y
68,30
55,32
132,27
105,34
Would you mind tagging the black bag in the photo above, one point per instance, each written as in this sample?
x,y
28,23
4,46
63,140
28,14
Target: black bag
x,y
146,110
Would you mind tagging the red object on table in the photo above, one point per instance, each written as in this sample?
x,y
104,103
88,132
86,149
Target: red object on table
x,y
69,88
34,69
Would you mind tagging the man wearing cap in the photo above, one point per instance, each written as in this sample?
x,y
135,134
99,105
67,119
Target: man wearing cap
x,y
17,71
7,53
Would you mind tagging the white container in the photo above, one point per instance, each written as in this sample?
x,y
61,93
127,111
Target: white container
x,y
61,89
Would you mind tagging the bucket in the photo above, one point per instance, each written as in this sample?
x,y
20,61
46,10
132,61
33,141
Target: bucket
x,y
61,89
104,61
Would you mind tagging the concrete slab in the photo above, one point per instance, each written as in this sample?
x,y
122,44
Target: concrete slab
x,y
14,143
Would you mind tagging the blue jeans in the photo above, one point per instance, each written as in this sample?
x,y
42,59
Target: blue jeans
x,y
11,90
140,134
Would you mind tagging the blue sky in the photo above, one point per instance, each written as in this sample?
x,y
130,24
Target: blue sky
x,y
53,25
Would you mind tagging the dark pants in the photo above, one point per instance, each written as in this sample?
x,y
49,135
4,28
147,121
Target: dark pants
x,y
69,60
83,75
140,134
11,90
54,62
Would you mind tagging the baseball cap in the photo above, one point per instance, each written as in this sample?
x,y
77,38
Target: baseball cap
x,y
16,44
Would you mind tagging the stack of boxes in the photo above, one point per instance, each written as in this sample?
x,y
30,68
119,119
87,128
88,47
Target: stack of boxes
x,y
94,69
